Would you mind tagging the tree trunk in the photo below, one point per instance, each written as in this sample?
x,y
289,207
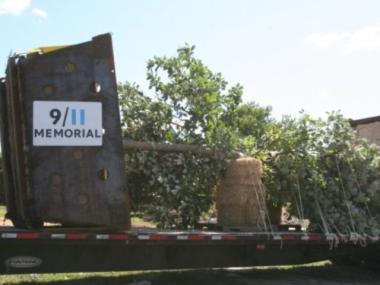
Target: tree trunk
x,y
130,146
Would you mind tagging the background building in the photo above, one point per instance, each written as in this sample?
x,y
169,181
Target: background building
x,y
368,128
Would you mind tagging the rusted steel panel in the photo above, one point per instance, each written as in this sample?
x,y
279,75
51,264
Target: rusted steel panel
x,y
13,143
4,144
72,184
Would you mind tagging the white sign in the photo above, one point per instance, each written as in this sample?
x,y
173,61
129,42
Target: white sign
x,y
65,123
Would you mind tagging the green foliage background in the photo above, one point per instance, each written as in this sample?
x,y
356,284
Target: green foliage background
x,y
319,166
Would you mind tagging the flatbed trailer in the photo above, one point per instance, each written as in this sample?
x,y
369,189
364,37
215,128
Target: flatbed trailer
x,y
82,250
74,178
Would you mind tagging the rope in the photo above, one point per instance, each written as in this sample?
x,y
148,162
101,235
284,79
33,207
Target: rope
x,y
266,214
363,242
324,223
261,201
300,198
344,195
298,212
337,230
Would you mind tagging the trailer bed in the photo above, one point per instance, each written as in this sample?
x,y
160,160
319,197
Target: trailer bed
x,y
84,250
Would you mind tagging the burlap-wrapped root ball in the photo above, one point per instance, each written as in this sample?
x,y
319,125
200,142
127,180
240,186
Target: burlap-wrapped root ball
x,y
240,196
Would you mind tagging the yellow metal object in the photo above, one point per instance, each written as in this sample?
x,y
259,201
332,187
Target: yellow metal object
x,y
43,50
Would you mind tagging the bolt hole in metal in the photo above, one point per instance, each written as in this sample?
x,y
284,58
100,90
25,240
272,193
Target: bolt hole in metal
x,y
56,179
95,87
78,154
82,199
48,89
104,174
70,67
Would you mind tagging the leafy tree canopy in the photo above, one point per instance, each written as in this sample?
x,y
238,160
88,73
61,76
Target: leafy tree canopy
x,y
319,166
190,104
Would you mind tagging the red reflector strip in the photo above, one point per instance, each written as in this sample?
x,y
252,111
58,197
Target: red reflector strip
x,y
260,246
195,237
288,237
118,237
28,235
315,237
228,237
158,237
76,236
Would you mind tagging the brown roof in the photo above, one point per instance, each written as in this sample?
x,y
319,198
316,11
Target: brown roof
x,y
364,121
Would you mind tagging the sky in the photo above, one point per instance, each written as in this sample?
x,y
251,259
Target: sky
x,y
293,55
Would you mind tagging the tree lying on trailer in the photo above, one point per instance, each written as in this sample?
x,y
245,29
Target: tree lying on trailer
x,y
80,181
